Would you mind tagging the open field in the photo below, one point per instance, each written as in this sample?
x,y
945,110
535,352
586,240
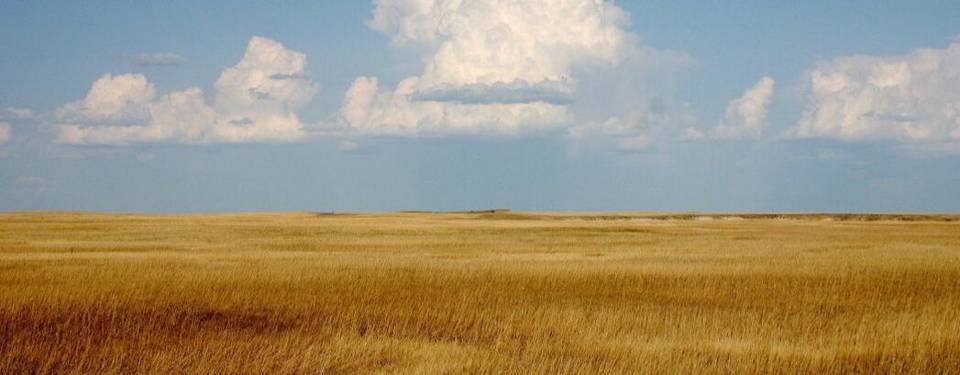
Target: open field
x,y
495,292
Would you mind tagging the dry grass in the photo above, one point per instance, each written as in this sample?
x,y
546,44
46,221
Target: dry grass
x,y
496,292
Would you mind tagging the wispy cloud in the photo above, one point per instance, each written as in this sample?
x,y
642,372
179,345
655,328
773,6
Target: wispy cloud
x,y
17,113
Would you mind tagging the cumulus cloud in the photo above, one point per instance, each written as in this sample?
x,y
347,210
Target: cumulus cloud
x,y
156,59
179,116
497,66
269,78
913,99
745,116
255,101
5,131
493,41
112,98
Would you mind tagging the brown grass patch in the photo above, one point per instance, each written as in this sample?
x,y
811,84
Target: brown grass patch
x,y
484,292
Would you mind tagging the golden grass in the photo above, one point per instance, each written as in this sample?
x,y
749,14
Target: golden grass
x,y
497,292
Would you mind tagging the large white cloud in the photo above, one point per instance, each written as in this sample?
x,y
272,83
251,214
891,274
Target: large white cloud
x,y
502,41
255,101
913,99
499,66
745,116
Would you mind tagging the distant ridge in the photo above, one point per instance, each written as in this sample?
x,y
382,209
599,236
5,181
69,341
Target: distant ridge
x,y
507,214
491,211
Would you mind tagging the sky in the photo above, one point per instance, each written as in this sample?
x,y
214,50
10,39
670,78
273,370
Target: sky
x,y
586,105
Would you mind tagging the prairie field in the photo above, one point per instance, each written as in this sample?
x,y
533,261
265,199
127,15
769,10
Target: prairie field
x,y
481,292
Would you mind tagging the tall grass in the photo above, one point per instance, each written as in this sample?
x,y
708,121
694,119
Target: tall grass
x,y
477,293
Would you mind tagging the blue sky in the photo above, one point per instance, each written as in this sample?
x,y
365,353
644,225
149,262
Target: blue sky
x,y
541,105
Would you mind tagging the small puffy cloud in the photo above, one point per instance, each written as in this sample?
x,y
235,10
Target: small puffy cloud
x,y
156,59
914,99
112,98
746,115
269,78
5,132
255,101
491,66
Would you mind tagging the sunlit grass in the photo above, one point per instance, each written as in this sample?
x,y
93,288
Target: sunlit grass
x,y
478,293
